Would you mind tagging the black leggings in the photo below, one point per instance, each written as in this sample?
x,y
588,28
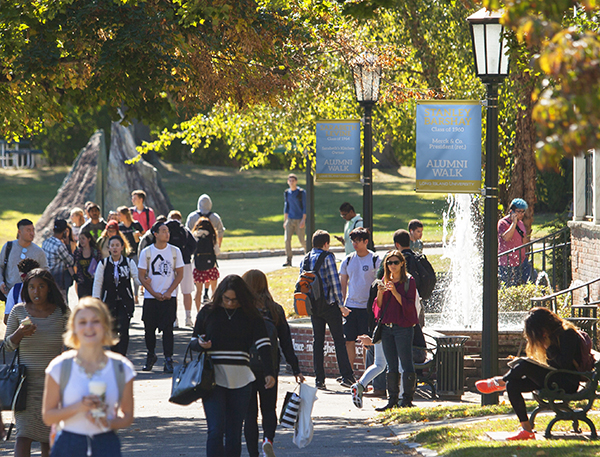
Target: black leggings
x,y
268,405
527,377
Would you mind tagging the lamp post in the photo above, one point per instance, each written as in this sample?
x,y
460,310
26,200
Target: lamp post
x,y
491,63
367,75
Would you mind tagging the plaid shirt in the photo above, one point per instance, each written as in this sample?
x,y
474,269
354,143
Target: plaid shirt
x,y
57,254
329,274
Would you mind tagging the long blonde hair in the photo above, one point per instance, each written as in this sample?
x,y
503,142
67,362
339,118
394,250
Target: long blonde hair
x,y
101,310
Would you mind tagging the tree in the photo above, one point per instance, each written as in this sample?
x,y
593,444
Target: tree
x,y
148,56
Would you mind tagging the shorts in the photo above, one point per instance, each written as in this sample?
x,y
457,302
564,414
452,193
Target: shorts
x,y
186,286
159,314
203,276
357,323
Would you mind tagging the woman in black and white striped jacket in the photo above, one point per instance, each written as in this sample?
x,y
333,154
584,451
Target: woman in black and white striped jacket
x,y
227,328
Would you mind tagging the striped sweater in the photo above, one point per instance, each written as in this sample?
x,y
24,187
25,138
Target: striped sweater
x,y
232,338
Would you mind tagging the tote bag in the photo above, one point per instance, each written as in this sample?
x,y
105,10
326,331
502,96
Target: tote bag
x,y
13,383
192,380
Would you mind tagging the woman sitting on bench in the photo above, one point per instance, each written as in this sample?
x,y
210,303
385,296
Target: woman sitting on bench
x,y
552,343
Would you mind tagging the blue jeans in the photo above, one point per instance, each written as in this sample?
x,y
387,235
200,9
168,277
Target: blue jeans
x,y
397,344
225,412
75,445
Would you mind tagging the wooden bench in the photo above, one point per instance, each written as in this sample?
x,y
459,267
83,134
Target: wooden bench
x,y
550,397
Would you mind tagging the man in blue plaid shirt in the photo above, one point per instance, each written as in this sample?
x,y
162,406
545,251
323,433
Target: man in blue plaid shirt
x,y
60,260
330,315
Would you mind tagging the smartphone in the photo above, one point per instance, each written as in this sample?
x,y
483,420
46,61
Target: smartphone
x,y
379,282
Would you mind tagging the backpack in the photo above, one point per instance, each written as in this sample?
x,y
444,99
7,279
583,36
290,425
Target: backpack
x,y
205,258
146,211
424,274
587,358
256,364
308,293
177,234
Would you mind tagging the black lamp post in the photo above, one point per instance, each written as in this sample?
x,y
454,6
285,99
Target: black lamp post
x,y
491,63
367,75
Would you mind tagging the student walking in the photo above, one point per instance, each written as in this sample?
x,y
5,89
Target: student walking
x,y
294,216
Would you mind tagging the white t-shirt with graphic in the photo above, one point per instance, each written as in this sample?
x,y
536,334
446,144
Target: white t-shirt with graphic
x,y
159,267
361,273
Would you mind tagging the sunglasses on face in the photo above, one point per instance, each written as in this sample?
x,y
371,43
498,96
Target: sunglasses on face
x,y
392,262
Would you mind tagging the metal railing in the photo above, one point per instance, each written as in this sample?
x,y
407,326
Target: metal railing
x,y
578,302
551,254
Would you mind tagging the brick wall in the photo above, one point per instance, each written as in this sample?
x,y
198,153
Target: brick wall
x,y
585,251
302,337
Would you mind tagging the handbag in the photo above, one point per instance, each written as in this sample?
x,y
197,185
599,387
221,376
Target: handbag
x,y
303,432
289,410
192,380
13,383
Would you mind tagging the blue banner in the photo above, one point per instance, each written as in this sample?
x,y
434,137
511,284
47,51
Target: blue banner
x,y
448,146
338,151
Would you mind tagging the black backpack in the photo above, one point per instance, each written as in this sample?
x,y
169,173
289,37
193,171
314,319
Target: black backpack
x,y
178,236
420,268
256,364
205,258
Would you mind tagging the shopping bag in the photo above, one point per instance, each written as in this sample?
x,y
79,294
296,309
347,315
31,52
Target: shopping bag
x,y
303,432
192,380
289,410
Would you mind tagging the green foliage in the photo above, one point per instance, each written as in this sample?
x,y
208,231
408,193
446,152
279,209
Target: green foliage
x,y
517,298
554,189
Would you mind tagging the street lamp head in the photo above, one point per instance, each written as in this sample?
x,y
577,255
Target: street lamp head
x,y
367,75
489,46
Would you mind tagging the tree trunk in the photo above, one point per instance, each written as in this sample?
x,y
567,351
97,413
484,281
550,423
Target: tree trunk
x,y
524,172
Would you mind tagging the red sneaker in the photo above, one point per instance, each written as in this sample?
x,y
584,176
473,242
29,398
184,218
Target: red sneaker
x,y
521,436
489,386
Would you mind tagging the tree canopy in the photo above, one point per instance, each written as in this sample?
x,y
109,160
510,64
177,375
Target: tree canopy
x,y
148,57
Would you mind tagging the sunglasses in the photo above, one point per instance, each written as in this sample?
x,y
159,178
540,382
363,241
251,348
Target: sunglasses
x,y
392,262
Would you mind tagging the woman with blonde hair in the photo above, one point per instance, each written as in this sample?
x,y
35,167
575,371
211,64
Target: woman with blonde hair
x,y
89,389
398,313
552,343
274,317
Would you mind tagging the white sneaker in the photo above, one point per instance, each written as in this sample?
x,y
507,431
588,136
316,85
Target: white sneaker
x,y
268,448
189,322
176,323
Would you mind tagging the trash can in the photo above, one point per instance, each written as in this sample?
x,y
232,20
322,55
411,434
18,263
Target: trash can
x,y
450,366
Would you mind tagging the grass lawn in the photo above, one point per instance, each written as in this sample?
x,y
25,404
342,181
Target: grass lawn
x,y
472,441
249,202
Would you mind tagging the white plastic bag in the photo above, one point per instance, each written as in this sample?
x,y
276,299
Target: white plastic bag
x,y
303,432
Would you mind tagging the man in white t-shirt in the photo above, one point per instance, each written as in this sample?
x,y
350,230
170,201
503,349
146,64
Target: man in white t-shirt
x,y
160,271
357,272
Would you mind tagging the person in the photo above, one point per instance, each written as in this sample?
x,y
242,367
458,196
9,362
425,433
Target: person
x,y
514,268
227,328
133,231
77,219
96,395
95,224
357,273
86,258
206,270
402,242
112,285
552,343
396,307
294,216
353,221
415,229
16,293
274,315
14,251
112,229
130,229
112,216
181,237
35,327
68,239
330,314
140,212
205,209
148,238
160,271
60,260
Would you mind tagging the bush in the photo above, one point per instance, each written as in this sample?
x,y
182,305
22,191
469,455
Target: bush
x,y
517,298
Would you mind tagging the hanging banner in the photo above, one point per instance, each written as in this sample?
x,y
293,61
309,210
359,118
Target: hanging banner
x,y
338,151
449,146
